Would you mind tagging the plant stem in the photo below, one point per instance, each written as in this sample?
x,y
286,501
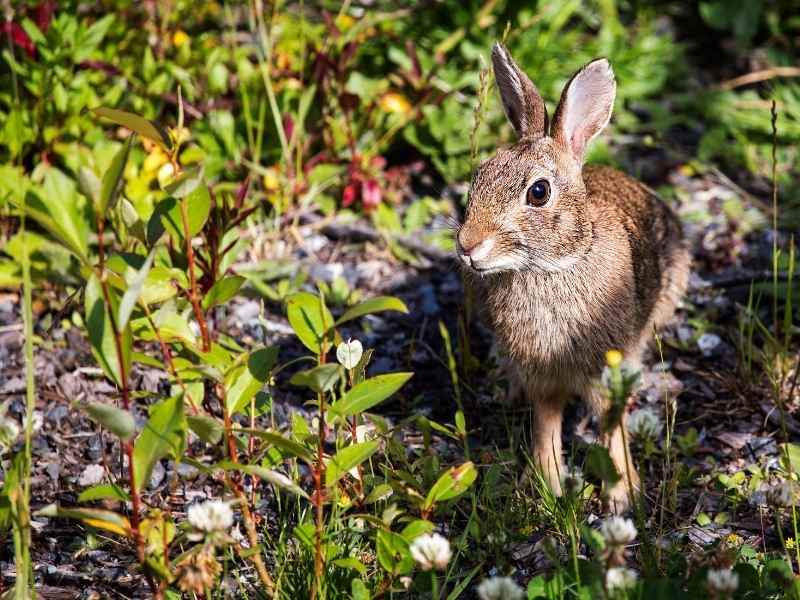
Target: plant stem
x,y
193,295
22,538
126,402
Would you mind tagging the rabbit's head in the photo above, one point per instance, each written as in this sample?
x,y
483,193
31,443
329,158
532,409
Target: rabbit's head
x,y
527,206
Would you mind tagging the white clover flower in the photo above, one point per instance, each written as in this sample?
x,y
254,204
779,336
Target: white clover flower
x,y
645,423
9,430
212,515
349,353
722,581
572,482
781,495
431,551
618,531
620,578
500,588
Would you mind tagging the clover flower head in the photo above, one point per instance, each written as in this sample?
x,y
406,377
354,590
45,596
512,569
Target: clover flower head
x,y
210,516
620,578
722,581
431,551
645,423
618,531
500,588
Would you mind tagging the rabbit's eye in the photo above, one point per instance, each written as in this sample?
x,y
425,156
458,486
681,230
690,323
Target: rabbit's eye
x,y
539,193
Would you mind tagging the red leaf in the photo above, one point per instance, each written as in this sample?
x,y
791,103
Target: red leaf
x,y
19,37
349,194
371,194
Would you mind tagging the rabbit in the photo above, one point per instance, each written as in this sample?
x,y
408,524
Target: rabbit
x,y
568,261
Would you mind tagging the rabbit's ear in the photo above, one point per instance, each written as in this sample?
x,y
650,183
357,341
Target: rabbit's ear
x,y
585,107
522,102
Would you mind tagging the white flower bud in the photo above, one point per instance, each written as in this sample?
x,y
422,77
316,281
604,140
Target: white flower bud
x,y
431,551
212,515
618,531
500,588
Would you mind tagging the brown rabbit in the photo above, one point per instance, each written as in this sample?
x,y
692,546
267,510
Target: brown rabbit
x,y
568,261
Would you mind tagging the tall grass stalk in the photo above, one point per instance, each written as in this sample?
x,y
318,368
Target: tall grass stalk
x,y
22,531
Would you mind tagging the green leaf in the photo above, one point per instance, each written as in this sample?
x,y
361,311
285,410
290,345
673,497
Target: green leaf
x,y
102,492
358,591
393,552
309,318
133,122
353,564
167,216
320,379
118,421
284,444
274,477
102,519
185,183
163,435
373,305
599,464
101,333
416,528
369,393
348,458
207,428
454,482
248,376
131,295
222,291
89,185
112,180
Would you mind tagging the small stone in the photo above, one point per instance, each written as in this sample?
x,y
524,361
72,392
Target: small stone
x,y
157,476
92,475
707,343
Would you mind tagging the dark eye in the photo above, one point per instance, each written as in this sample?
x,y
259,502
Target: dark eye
x,y
539,193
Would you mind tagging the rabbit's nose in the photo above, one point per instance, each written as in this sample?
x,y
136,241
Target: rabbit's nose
x,y
478,250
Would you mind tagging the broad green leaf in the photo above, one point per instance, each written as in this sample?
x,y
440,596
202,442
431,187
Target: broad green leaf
x,y
380,492
599,464
116,420
101,333
171,326
167,216
289,447
89,185
207,428
369,393
319,379
454,482
244,380
790,457
393,552
159,285
223,290
163,435
112,180
310,319
348,458
102,492
274,477
185,183
354,564
131,295
416,528
135,123
373,305
101,519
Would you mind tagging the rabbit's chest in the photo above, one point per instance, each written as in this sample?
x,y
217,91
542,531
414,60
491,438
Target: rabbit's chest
x,y
556,326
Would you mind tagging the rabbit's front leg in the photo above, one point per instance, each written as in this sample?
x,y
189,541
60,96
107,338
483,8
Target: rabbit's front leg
x,y
547,415
619,495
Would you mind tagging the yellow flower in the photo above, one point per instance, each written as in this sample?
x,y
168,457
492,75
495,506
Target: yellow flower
x,y
344,22
614,358
154,160
393,102
270,179
179,38
789,543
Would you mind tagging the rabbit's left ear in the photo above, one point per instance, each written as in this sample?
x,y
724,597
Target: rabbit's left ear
x,y
585,107
522,102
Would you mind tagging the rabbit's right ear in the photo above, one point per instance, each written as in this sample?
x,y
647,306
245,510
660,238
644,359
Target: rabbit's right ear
x,y
522,102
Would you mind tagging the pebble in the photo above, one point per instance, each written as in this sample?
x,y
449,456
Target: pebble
x,y
707,343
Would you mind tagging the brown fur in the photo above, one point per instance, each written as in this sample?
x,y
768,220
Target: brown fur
x,y
598,268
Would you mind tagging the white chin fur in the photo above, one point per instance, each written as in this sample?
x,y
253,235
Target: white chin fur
x,y
515,263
